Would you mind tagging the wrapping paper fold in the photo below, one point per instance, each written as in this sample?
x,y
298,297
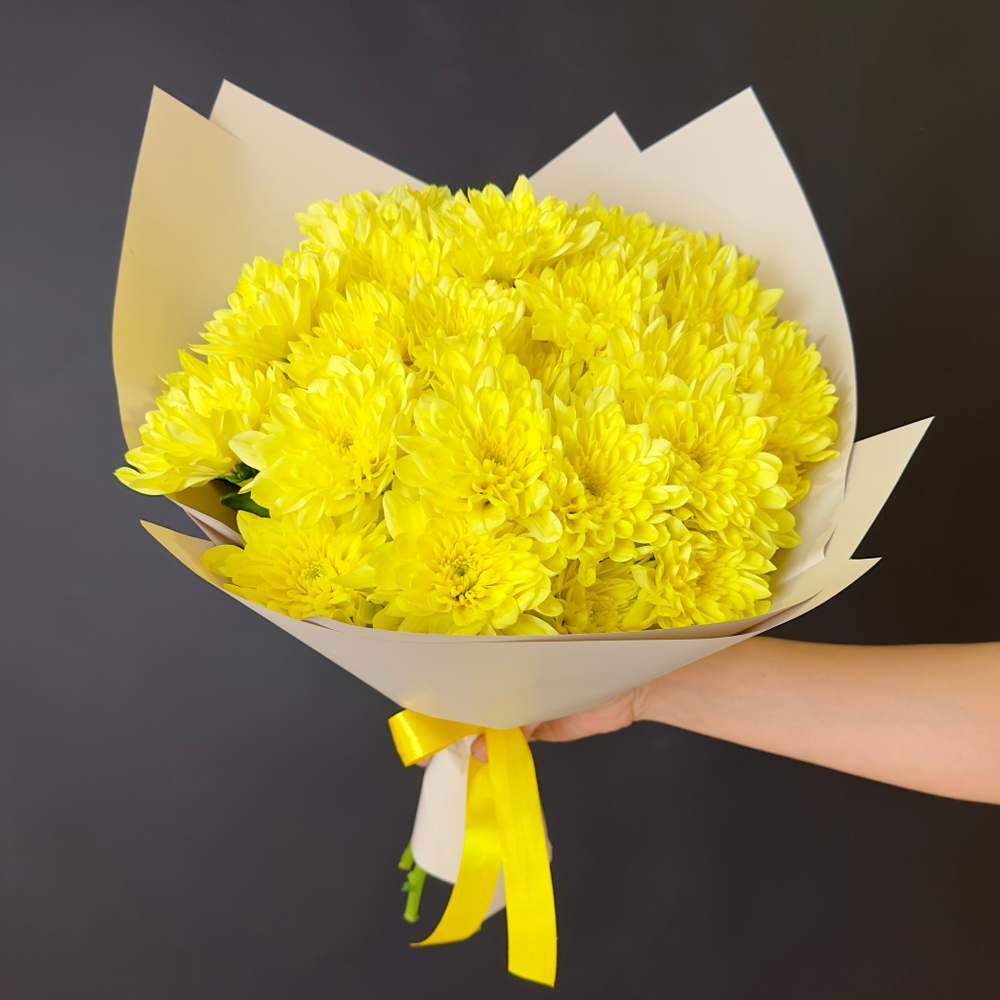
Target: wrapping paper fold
x,y
210,195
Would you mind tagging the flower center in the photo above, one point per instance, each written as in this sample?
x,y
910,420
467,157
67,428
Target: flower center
x,y
701,454
315,570
600,610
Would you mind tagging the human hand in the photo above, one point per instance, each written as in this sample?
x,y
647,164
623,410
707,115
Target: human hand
x,y
615,713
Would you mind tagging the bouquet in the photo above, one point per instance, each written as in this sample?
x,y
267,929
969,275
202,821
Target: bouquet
x,y
512,422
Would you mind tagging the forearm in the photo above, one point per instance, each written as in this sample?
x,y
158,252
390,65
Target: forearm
x,y
924,717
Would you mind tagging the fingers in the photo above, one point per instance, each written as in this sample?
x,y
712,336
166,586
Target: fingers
x,y
614,714
478,749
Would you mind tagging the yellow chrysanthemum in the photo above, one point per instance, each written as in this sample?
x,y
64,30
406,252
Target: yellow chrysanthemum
x,y
695,579
457,308
651,358
633,239
703,282
388,240
186,439
439,575
273,306
524,392
717,443
601,607
577,306
482,442
798,396
348,224
608,481
295,570
365,317
490,236
329,449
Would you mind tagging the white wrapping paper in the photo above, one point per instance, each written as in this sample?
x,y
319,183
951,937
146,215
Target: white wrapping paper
x,y
210,195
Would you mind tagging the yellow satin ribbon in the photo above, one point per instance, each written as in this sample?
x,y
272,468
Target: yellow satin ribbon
x,y
503,827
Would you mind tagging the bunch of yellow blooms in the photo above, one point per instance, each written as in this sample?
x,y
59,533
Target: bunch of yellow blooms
x,y
487,415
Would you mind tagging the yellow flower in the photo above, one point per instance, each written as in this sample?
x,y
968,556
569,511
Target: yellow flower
x,y
703,282
603,605
348,224
457,308
295,570
797,393
329,449
490,236
647,359
571,419
608,481
440,575
273,306
388,240
695,579
792,475
185,440
482,442
717,443
633,239
578,305
366,317
334,225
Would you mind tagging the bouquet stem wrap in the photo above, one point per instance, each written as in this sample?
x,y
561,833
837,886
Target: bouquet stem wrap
x,y
503,828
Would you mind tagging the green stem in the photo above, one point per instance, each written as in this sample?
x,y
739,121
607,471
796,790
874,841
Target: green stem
x,y
406,861
413,886
243,501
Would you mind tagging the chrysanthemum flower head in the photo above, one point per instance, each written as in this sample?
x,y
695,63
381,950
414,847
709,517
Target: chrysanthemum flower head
x,y
490,236
797,394
608,481
696,578
481,441
296,570
703,282
652,357
717,442
632,239
186,439
388,239
456,307
440,575
578,305
273,306
602,606
330,449
366,317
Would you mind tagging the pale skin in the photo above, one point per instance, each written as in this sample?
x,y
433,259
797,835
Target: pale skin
x,y
922,717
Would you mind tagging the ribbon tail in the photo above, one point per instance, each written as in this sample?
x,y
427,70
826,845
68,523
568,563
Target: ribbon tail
x,y
531,910
480,865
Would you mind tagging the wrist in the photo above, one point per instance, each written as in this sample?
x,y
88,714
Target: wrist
x,y
668,699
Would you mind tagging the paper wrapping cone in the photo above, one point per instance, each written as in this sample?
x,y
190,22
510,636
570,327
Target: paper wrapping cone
x,y
210,195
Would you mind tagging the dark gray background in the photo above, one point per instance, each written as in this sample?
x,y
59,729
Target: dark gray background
x,y
193,805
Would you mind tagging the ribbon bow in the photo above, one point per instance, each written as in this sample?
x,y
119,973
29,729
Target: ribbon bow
x,y
503,828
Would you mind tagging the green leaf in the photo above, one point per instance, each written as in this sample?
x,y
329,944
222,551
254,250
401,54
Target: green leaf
x,y
240,474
